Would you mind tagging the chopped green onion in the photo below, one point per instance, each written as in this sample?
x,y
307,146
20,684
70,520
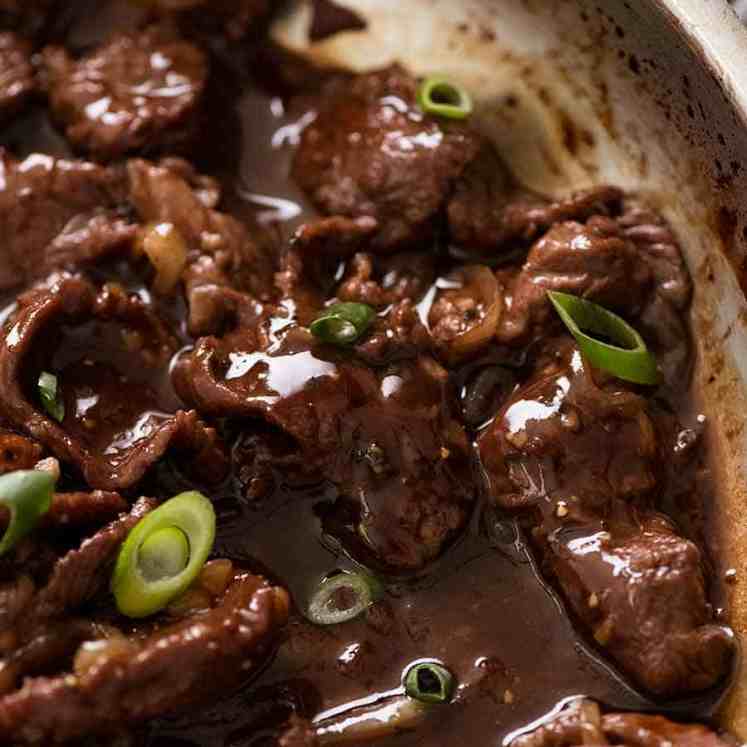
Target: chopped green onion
x,y
444,99
50,396
342,323
27,494
429,682
342,597
628,358
163,554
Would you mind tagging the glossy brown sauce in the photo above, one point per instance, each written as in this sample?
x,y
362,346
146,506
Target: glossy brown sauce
x,y
482,607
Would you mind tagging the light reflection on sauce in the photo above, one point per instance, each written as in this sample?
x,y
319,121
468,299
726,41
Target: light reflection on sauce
x,y
525,410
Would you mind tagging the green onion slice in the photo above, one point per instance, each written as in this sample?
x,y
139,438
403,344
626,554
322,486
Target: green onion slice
x,y
27,494
429,682
342,597
163,554
444,99
50,396
342,323
628,358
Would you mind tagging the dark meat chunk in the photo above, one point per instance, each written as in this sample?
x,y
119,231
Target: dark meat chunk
x,y
126,681
57,213
371,152
82,509
335,236
581,457
582,723
594,260
330,18
17,77
99,343
226,269
137,91
385,437
488,210
382,281
83,572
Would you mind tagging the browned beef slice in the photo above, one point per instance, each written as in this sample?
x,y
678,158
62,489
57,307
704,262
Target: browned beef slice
x,y
83,572
489,210
371,152
57,213
17,452
593,259
582,723
99,343
581,457
132,680
137,91
384,436
224,262
17,77
83,509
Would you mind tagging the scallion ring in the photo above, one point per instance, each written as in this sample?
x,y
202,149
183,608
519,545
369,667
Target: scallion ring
x,y
443,98
342,597
342,323
429,682
27,494
49,395
625,356
163,554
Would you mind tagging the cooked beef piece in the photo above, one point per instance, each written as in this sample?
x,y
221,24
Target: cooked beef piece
x,y
488,210
224,264
330,18
57,213
126,681
15,597
371,152
137,91
17,76
631,264
582,723
99,343
382,281
298,733
82,509
593,259
83,572
17,452
384,437
335,236
580,453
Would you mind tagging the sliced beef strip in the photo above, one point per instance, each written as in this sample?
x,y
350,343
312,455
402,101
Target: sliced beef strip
x,y
58,213
137,91
97,342
81,509
372,152
226,269
580,457
17,75
583,723
129,680
85,571
489,211
384,436
17,452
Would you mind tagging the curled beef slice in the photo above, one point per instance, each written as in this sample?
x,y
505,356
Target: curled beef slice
x,y
593,260
125,681
383,436
224,263
57,213
583,723
136,91
372,152
17,76
489,211
580,457
111,355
